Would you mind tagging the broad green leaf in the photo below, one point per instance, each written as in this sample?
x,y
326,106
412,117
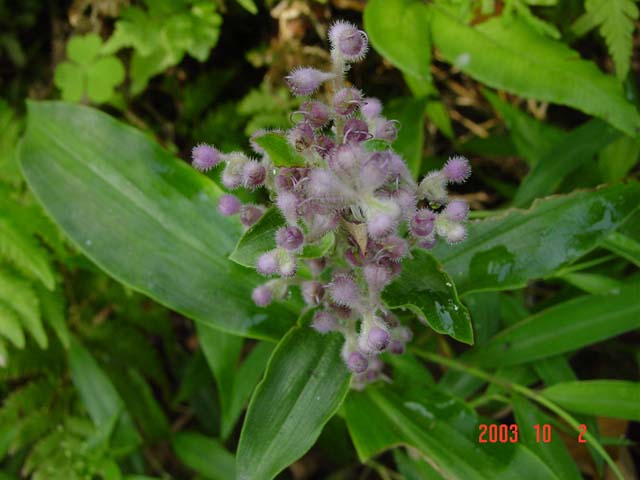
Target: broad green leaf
x,y
100,397
562,328
280,152
158,230
531,137
624,246
205,455
414,467
506,251
510,55
425,288
441,428
592,282
554,453
399,30
305,383
574,150
410,112
618,158
605,398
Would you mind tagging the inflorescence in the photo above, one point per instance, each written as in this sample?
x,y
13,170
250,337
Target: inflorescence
x,y
349,186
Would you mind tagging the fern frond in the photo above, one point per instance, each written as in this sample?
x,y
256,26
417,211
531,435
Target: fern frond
x,y
10,325
615,19
19,294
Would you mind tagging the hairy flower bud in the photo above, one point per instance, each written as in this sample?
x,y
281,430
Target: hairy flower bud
x,y
427,243
301,136
380,225
355,130
422,222
323,322
306,80
386,129
346,101
232,175
289,238
347,42
433,188
457,210
288,202
324,146
268,263
262,295
371,108
377,339
457,169
396,347
250,214
253,174
377,276
205,157
312,292
287,263
315,113
345,159
228,205
356,362
456,233
344,290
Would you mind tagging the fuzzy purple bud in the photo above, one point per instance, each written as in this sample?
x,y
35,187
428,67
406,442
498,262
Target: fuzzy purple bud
x,y
346,101
348,42
324,146
396,248
229,205
386,130
312,292
371,108
287,263
253,174
377,276
306,80
205,157
380,225
427,243
250,214
324,322
344,290
290,238
433,188
421,223
315,113
232,175
261,295
345,159
356,362
457,169
288,202
456,210
456,233
267,263
377,339
301,136
355,130
396,347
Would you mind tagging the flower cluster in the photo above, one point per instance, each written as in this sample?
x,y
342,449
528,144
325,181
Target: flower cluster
x,y
351,185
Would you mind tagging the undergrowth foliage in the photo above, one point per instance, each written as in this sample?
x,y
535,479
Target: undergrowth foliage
x,y
341,178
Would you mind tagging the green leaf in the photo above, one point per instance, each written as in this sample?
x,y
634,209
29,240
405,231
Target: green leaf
x,y
19,295
305,383
248,5
10,325
70,79
510,55
280,152
425,288
158,230
563,328
204,455
575,150
100,397
506,251
399,30
102,78
444,430
624,246
53,312
616,21
410,112
605,398
592,282
618,158
554,453
83,50
258,239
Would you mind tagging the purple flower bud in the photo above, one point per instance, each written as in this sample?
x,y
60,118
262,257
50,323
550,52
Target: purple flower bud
x,y
317,266
345,159
344,290
268,263
355,130
433,188
346,100
315,113
406,199
261,295
377,276
402,334
205,157
356,362
324,146
371,108
232,175
301,136
421,223
312,292
348,42
377,339
341,311
427,243
306,80
380,225
290,238
457,169
456,233
391,319
229,205
375,170
396,347
288,202
398,168
250,214
456,210
396,248
253,174
386,130
287,263
324,322
326,185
